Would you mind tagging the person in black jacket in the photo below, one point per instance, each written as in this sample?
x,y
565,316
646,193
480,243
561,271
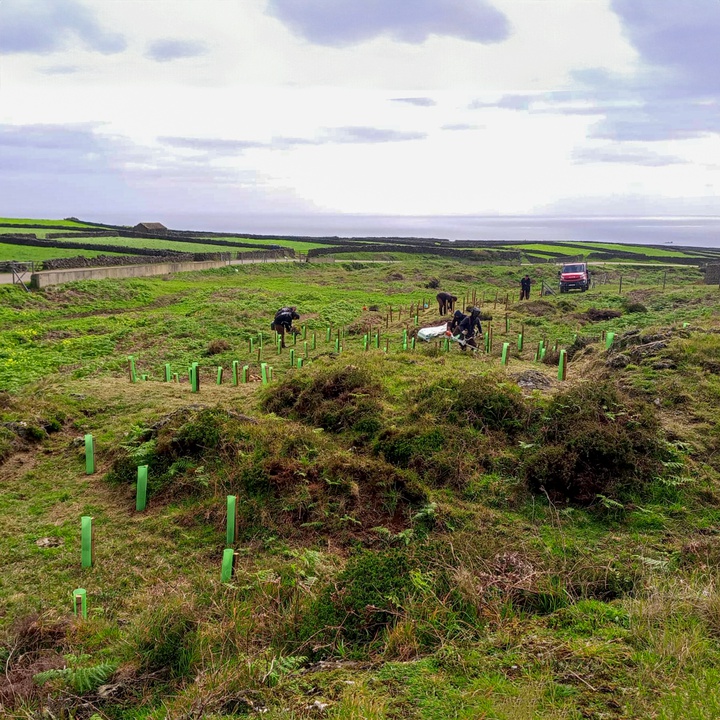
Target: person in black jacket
x,y
446,302
283,322
468,326
525,288
457,318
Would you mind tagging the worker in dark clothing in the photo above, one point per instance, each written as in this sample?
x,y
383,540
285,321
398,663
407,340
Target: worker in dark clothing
x,y
446,302
525,288
283,322
457,318
467,328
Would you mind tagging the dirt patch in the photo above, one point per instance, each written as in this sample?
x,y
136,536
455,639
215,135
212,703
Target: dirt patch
x,y
599,314
539,308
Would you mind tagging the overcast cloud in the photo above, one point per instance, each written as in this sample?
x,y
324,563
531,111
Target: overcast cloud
x,y
345,22
424,107
46,26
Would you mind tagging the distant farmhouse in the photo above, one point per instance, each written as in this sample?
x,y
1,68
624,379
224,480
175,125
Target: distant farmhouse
x,y
151,228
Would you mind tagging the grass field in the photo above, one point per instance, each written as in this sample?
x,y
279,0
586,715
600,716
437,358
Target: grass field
x,y
31,221
421,533
579,248
23,253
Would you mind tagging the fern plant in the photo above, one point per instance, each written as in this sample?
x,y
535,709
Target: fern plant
x,y
79,676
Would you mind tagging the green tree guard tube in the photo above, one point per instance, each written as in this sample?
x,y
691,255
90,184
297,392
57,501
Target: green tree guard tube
x,y
609,340
542,353
227,565
562,365
86,542
89,455
195,377
412,342
405,339
279,346
505,352
131,369
327,335
365,342
219,375
520,342
144,377
80,603
292,358
231,525
141,495
176,377
264,373
260,340
270,370
314,341
235,367
245,373
252,345
168,373
487,341
299,362
337,344
304,332
377,339
416,320
305,349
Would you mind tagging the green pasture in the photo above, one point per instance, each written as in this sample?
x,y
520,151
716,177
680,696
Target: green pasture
x,y
33,231
32,221
25,253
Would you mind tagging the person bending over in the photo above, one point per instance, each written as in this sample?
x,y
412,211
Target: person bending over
x,y
468,327
446,302
283,322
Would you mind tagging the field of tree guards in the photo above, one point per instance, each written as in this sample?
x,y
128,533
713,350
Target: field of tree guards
x,y
197,522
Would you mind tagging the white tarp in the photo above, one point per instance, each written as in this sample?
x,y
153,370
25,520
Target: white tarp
x,y
430,333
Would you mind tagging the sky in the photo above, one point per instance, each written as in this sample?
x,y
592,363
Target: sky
x,y
264,114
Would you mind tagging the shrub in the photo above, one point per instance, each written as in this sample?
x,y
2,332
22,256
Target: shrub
x,y
218,346
592,441
335,399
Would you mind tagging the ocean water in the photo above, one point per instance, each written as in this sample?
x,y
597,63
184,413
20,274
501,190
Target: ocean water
x,y
698,231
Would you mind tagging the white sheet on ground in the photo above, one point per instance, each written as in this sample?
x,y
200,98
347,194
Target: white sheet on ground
x,y
430,333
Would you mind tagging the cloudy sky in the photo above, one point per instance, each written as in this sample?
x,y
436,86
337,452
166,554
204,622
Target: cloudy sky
x,y
211,113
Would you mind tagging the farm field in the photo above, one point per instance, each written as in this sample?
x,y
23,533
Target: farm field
x,y
421,532
31,221
33,231
23,253
578,248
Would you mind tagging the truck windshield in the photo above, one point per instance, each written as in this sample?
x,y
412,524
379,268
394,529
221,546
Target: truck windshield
x,y
573,268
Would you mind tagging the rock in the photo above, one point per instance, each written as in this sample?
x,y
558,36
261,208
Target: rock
x,y
618,361
49,542
533,380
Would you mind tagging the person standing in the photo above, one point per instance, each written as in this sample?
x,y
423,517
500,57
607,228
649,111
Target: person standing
x,y
525,284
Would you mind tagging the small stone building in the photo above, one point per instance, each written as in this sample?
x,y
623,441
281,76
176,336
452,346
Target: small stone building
x,y
151,228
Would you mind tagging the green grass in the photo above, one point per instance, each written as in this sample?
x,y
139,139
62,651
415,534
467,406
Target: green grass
x,y
507,603
26,253
32,221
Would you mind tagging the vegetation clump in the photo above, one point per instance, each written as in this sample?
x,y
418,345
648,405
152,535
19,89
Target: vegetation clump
x,y
592,441
335,399
361,602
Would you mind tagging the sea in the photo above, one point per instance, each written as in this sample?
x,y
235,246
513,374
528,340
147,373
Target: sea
x,y
687,231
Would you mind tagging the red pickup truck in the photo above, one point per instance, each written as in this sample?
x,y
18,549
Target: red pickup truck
x,y
574,276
